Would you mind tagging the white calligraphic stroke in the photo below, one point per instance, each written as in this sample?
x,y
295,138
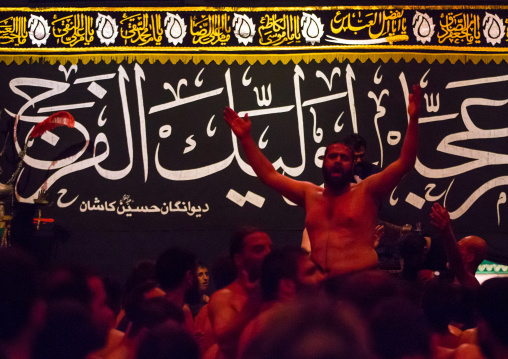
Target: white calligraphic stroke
x,y
429,187
184,101
62,204
191,144
246,81
292,171
501,200
198,81
262,142
329,83
393,201
68,72
55,88
480,158
75,167
266,95
94,78
119,174
377,77
140,76
350,76
46,165
493,183
317,132
209,131
323,99
405,91
191,174
380,112
423,81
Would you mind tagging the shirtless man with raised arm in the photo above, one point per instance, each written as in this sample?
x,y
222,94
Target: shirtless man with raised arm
x,y
341,217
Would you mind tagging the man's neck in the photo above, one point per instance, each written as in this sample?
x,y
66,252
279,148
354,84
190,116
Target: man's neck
x,y
337,191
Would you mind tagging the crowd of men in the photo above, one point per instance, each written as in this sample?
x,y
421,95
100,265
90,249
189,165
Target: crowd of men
x,y
267,303
330,300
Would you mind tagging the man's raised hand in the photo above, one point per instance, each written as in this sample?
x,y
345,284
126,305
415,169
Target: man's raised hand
x,y
414,102
440,218
240,126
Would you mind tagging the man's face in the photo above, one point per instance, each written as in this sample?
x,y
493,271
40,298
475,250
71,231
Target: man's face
x,y
256,246
102,315
203,278
359,156
338,166
309,276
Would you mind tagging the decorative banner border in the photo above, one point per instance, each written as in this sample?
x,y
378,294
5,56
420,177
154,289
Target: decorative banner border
x,y
400,28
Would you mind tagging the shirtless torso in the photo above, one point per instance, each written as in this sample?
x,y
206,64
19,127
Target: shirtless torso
x,y
340,217
340,229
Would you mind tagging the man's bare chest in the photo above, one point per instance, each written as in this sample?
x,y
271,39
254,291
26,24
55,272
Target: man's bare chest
x,y
343,211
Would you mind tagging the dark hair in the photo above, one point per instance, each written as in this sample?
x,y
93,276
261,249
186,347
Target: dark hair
x,y
69,283
491,300
168,341
68,332
312,330
355,141
172,265
148,313
236,243
341,142
441,303
399,330
412,244
18,291
279,264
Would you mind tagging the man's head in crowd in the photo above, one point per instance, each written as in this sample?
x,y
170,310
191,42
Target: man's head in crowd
x,y
399,330
338,166
176,269
287,271
309,330
168,340
203,277
473,250
248,248
359,146
21,310
492,302
67,289
413,250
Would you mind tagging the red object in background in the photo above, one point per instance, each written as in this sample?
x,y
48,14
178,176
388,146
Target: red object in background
x,y
61,118
43,220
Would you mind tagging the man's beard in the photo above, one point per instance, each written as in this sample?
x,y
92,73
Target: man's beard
x,y
337,183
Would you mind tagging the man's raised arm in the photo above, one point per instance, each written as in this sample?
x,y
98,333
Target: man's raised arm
x,y
384,182
291,189
440,218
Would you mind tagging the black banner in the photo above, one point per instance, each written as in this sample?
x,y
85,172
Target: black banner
x,y
150,149
446,28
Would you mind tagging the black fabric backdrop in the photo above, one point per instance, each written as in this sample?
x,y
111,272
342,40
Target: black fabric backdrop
x,y
119,180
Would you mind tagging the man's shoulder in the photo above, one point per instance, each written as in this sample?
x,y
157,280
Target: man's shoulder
x,y
224,294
